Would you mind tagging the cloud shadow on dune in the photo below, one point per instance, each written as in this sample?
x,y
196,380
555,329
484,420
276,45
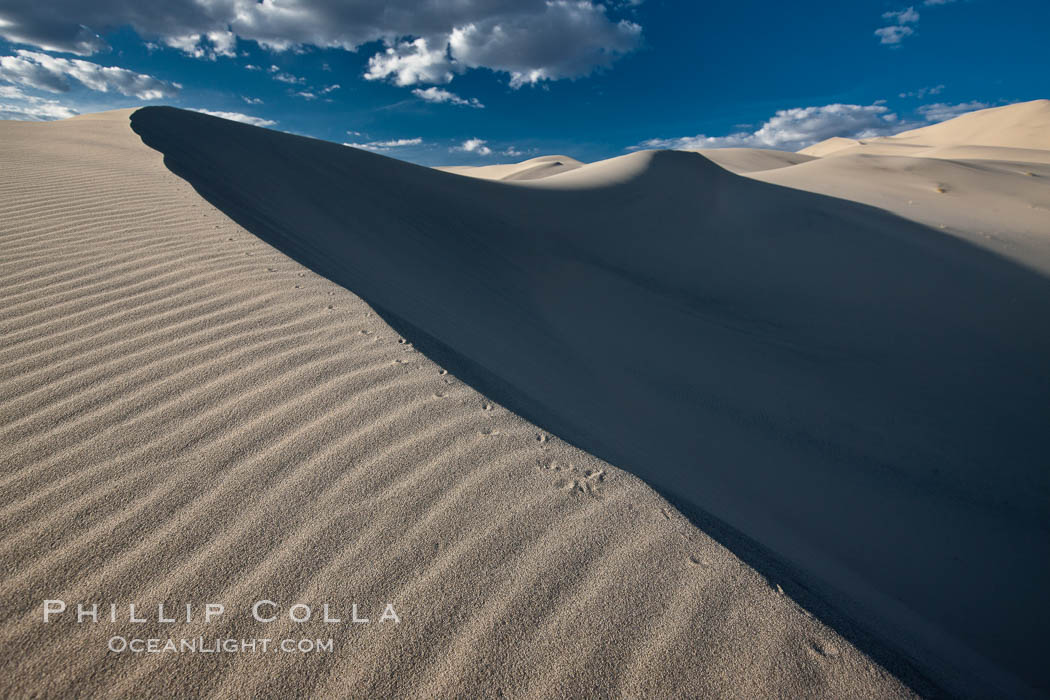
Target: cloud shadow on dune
x,y
853,403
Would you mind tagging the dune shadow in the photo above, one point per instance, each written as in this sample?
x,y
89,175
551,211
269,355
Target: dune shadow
x,y
855,404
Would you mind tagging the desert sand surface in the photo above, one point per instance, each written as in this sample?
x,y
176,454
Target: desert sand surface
x,y
205,394
189,415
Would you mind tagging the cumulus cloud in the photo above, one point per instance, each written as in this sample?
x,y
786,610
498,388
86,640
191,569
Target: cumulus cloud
x,y
939,111
530,40
568,40
792,129
208,45
17,105
473,146
238,117
277,74
893,34
44,72
385,145
440,95
411,62
252,100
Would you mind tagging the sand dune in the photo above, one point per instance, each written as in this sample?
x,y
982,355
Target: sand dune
x,y
530,169
1001,206
750,160
802,367
190,415
205,395
1015,132
737,160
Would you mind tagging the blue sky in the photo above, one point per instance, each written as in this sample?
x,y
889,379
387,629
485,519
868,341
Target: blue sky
x,y
485,81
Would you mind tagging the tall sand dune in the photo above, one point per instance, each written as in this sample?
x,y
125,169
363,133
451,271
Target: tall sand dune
x,y
189,415
860,397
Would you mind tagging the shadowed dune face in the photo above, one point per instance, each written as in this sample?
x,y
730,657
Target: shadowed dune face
x,y
861,397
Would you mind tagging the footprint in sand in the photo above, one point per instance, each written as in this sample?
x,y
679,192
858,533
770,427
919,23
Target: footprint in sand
x,y
573,480
828,651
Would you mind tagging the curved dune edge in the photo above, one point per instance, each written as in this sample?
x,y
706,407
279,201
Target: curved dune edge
x,y
189,415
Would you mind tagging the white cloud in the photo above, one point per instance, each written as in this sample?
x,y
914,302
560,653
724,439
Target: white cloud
x,y
411,62
238,117
436,94
208,45
277,74
44,72
17,105
306,95
939,112
923,92
568,40
330,88
473,146
512,152
906,16
384,145
893,35
792,129
252,100
530,40
937,2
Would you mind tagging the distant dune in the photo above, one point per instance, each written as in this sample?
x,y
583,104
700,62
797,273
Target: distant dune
x,y
225,353
1015,132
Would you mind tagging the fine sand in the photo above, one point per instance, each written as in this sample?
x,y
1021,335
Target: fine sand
x,y
189,415
223,380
